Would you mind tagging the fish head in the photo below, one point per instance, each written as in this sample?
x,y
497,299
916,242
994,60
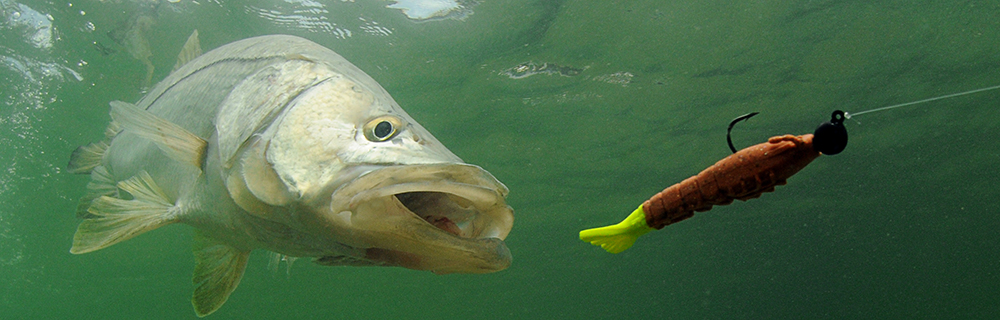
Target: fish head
x,y
344,162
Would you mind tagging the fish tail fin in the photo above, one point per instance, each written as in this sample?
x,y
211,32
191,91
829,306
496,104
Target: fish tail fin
x,y
115,220
618,237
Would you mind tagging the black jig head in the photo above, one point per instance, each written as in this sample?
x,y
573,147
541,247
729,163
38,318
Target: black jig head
x,y
830,137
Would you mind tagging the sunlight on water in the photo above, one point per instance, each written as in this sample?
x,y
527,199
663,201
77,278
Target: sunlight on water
x,y
307,15
35,26
36,72
432,9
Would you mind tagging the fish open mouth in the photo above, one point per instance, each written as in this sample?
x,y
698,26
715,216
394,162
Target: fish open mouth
x,y
460,209
445,211
460,199
442,217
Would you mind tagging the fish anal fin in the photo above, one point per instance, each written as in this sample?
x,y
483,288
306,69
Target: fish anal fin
x,y
116,220
86,158
217,271
175,141
191,50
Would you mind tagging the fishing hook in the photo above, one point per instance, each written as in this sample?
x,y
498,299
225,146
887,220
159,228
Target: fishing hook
x,y
729,131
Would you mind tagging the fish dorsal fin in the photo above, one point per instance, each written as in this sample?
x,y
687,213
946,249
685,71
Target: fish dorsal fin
x,y
86,158
217,271
112,130
176,142
191,50
117,220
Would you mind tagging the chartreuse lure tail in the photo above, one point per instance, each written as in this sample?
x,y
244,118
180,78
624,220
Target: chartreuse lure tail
x,y
616,238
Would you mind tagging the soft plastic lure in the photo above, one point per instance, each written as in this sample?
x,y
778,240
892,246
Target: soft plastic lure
x,y
744,175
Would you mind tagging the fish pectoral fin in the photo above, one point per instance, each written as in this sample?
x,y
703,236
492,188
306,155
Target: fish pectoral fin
x,y
86,158
217,271
191,50
176,142
115,220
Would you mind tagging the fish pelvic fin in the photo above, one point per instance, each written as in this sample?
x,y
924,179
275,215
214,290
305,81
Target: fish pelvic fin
x,y
217,271
101,184
115,220
616,238
176,142
275,259
191,50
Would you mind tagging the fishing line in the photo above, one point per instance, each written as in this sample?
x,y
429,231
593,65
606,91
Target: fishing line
x,y
831,137
849,115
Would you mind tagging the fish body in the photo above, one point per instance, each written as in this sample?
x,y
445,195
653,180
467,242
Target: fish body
x,y
278,143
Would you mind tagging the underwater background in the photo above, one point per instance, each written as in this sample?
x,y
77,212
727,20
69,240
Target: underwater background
x,y
584,109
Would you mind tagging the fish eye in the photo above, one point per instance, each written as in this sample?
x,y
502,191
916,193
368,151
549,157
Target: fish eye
x,y
382,128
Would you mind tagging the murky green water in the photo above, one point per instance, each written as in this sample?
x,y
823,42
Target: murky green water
x,y
903,224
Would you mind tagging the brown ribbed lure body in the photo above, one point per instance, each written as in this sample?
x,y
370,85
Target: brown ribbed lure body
x,y
743,175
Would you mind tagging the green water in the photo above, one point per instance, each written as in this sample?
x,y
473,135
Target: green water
x,y
902,224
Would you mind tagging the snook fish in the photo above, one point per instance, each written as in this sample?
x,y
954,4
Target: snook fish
x,y
278,143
